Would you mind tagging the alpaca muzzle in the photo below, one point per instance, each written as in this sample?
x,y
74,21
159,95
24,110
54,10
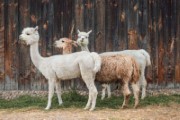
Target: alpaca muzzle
x,y
21,40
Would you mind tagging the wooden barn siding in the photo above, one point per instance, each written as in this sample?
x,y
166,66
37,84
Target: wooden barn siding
x,y
157,23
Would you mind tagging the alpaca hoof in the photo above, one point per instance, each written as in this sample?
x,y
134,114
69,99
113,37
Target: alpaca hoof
x,y
124,106
47,108
86,108
142,97
135,107
60,103
109,96
102,98
91,109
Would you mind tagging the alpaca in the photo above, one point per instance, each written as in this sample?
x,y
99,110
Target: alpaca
x,y
63,67
120,68
83,41
141,57
143,60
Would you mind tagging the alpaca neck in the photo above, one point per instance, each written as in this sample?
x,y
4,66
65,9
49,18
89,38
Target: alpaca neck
x,y
35,55
85,48
67,50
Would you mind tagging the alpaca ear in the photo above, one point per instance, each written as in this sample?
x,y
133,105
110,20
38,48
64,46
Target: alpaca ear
x,y
36,28
78,31
89,32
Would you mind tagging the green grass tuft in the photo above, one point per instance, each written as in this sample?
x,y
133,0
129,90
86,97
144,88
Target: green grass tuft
x,y
75,100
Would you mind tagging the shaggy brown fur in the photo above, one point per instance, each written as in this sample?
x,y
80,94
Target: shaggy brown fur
x,y
118,67
122,68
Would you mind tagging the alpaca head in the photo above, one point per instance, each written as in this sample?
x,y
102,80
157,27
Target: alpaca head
x,y
83,38
29,35
65,42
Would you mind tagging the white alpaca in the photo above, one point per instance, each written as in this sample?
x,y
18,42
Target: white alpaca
x,y
141,57
64,67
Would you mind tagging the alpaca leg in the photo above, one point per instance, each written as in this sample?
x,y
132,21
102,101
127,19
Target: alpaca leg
x,y
92,93
143,84
89,102
126,94
94,96
135,88
50,94
109,90
58,92
103,91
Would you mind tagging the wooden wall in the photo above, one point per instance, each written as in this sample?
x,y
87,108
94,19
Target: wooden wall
x,y
153,25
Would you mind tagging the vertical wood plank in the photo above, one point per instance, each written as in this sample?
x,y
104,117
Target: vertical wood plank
x,y
2,40
13,31
11,68
24,52
89,21
79,15
99,26
133,8
122,25
153,39
170,46
177,43
79,24
109,24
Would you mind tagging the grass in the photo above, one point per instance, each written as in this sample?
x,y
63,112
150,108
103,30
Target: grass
x,y
74,100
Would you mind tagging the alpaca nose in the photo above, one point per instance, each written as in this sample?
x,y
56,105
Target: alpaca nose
x,y
82,40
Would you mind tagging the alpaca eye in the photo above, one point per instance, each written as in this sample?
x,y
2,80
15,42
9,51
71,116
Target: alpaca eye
x,y
62,41
27,34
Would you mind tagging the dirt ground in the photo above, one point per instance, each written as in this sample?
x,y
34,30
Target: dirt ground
x,y
171,112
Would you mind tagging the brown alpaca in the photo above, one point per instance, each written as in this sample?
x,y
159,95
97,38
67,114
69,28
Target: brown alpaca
x,y
120,68
66,45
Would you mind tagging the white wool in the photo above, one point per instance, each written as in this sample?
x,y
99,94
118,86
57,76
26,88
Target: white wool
x,y
63,67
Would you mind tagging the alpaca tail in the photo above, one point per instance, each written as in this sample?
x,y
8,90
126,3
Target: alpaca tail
x,y
147,56
136,71
97,60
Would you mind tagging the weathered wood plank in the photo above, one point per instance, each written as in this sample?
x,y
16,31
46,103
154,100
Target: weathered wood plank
x,y
122,26
177,43
109,25
153,39
13,31
24,53
89,21
2,39
11,37
133,8
79,24
99,26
